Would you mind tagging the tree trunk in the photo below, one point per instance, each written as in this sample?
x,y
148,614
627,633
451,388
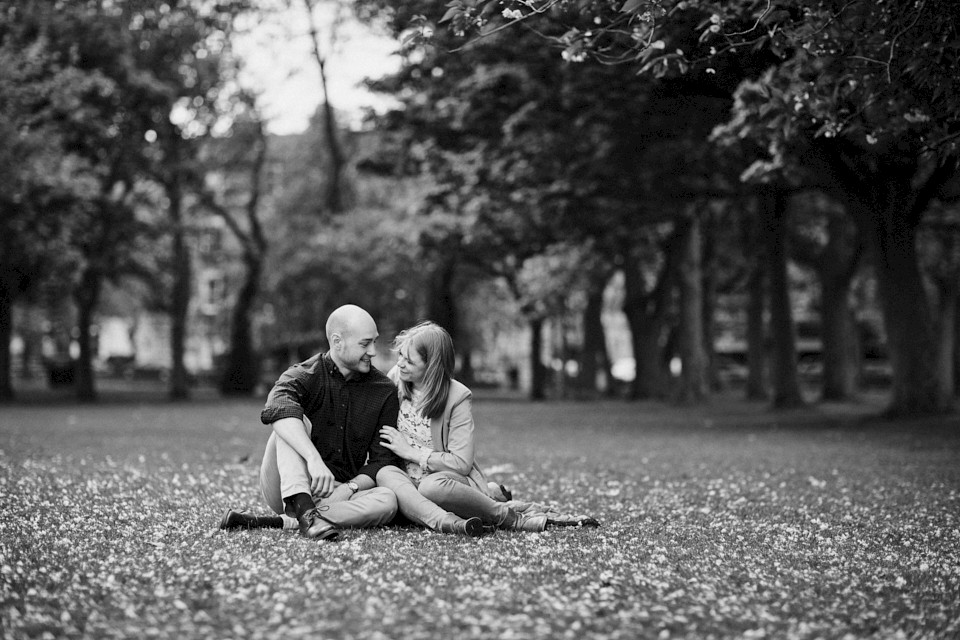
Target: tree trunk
x,y
442,309
180,302
6,336
946,328
465,374
835,266
887,196
756,388
956,353
786,382
646,315
241,371
538,372
841,353
558,354
709,296
26,358
694,386
441,305
916,387
650,379
593,354
334,197
86,297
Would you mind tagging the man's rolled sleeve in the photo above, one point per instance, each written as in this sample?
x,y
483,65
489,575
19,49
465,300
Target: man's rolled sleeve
x,y
379,455
286,398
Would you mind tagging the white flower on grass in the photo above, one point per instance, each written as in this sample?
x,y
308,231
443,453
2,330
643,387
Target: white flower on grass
x,y
512,14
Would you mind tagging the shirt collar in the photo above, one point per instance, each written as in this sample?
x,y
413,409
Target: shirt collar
x,y
330,365
334,370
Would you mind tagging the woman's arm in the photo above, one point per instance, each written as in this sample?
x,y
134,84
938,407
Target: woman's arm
x,y
459,453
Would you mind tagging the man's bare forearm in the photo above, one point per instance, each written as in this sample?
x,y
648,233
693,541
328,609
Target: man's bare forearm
x,y
293,433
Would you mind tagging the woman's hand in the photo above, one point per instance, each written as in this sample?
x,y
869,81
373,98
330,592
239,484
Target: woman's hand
x,y
395,441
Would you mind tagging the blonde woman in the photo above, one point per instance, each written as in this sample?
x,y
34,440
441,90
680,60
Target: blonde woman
x,y
434,437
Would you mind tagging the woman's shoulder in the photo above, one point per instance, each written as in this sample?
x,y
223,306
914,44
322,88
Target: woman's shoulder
x,y
393,374
458,392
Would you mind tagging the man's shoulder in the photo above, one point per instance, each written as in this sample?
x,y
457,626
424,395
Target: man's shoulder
x,y
308,372
311,365
379,380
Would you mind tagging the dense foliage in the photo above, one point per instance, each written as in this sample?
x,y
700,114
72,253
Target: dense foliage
x,y
843,97
698,150
103,111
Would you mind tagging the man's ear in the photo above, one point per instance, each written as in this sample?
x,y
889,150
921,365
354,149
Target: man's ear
x,y
335,341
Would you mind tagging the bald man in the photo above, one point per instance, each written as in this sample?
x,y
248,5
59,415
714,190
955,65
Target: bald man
x,y
322,458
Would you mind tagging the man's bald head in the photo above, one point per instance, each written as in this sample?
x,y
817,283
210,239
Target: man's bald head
x,y
352,334
348,319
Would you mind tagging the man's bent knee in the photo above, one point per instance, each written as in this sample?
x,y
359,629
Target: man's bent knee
x,y
386,501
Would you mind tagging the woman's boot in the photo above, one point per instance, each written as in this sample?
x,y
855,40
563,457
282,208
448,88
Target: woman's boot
x,y
472,527
519,521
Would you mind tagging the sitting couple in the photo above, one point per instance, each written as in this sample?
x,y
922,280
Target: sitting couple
x,y
350,445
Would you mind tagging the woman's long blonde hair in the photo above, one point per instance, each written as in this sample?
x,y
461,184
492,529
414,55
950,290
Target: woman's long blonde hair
x,y
435,347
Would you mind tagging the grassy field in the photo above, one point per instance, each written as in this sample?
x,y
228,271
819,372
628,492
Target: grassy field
x,y
726,521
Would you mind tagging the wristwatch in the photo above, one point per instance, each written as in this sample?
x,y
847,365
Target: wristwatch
x,y
353,486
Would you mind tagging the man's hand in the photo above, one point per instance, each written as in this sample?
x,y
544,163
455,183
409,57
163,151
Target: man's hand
x,y
395,441
321,479
341,494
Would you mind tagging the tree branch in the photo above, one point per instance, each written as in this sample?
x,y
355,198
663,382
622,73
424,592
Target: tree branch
x,y
209,202
257,236
337,160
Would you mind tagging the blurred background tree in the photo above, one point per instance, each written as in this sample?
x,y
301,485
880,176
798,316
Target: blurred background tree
x,y
855,99
124,91
658,199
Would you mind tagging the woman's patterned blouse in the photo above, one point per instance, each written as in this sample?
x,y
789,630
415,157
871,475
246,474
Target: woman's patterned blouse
x,y
415,427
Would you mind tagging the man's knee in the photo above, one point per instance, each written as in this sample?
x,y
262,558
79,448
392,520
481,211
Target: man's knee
x,y
386,501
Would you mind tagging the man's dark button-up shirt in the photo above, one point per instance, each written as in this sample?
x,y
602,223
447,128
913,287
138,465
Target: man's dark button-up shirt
x,y
346,414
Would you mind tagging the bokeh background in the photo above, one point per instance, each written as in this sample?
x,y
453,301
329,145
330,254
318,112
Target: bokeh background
x,y
652,199
717,240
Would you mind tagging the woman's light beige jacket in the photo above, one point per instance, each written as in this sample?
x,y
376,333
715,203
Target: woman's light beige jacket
x,y
453,439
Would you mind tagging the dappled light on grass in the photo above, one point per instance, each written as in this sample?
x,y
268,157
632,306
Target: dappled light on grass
x,y
787,535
